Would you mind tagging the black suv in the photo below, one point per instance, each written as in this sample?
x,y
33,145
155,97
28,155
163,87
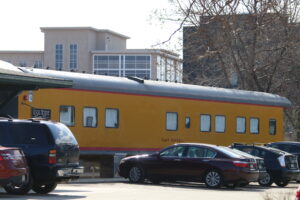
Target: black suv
x,y
291,147
281,166
51,150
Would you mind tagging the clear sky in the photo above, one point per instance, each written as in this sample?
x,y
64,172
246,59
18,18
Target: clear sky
x,y
21,20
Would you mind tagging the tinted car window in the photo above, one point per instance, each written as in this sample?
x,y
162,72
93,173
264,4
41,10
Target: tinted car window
x,y
62,134
29,133
199,152
173,152
281,147
242,153
227,151
4,136
294,149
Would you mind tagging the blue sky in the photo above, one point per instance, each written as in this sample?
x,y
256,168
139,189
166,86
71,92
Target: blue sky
x,y
21,20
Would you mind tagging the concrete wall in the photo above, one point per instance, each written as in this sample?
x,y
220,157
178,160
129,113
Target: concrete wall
x,y
85,40
18,57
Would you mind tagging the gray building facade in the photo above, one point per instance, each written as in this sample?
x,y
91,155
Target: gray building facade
x,y
97,51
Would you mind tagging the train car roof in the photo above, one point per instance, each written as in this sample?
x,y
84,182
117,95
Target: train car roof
x,y
163,89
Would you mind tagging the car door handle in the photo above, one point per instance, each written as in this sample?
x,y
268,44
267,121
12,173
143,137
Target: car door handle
x,y
177,159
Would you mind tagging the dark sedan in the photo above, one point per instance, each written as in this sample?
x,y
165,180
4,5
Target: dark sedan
x,y
213,165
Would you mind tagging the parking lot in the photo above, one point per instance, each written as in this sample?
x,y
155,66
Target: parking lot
x,y
120,189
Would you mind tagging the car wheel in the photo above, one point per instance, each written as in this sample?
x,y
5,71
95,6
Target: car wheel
x,y
44,188
281,183
213,179
136,174
22,188
266,181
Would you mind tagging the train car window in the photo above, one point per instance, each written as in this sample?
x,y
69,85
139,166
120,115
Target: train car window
x,y
272,126
241,125
254,125
205,123
90,117
187,122
171,121
220,123
67,115
111,118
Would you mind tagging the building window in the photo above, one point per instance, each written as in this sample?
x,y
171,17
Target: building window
x,y
171,121
67,115
89,117
205,123
138,66
111,118
107,65
254,125
123,65
38,64
187,122
241,125
73,56
272,126
58,56
220,123
23,64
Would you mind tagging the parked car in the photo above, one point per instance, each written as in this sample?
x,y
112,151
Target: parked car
x,y
291,147
51,150
281,166
211,164
13,167
298,193
259,162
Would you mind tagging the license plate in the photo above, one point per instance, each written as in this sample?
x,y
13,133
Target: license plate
x,y
293,165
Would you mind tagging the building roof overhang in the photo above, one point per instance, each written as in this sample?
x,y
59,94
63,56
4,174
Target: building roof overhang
x,y
14,80
161,52
43,29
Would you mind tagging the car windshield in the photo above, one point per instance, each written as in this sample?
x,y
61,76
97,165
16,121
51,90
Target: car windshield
x,y
242,153
274,150
230,152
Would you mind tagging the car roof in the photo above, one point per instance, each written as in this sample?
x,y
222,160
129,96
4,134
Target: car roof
x,y
197,144
286,142
266,148
33,120
222,149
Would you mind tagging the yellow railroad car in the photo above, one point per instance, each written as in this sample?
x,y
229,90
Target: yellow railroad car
x,y
110,115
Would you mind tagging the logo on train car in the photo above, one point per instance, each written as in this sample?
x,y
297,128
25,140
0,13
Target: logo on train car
x,y
41,113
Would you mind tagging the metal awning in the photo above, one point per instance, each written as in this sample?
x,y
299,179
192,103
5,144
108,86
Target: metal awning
x,y
14,80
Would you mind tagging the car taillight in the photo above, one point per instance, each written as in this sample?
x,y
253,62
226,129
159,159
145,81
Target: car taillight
x,y
241,164
281,161
52,157
6,156
298,194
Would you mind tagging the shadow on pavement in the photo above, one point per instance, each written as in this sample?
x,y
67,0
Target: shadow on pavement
x,y
192,185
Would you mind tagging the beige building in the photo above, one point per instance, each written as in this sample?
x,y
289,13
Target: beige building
x,y
98,51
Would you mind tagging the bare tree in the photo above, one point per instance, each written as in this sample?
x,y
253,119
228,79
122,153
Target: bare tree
x,y
247,44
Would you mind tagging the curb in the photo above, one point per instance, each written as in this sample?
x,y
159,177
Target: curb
x,y
97,180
